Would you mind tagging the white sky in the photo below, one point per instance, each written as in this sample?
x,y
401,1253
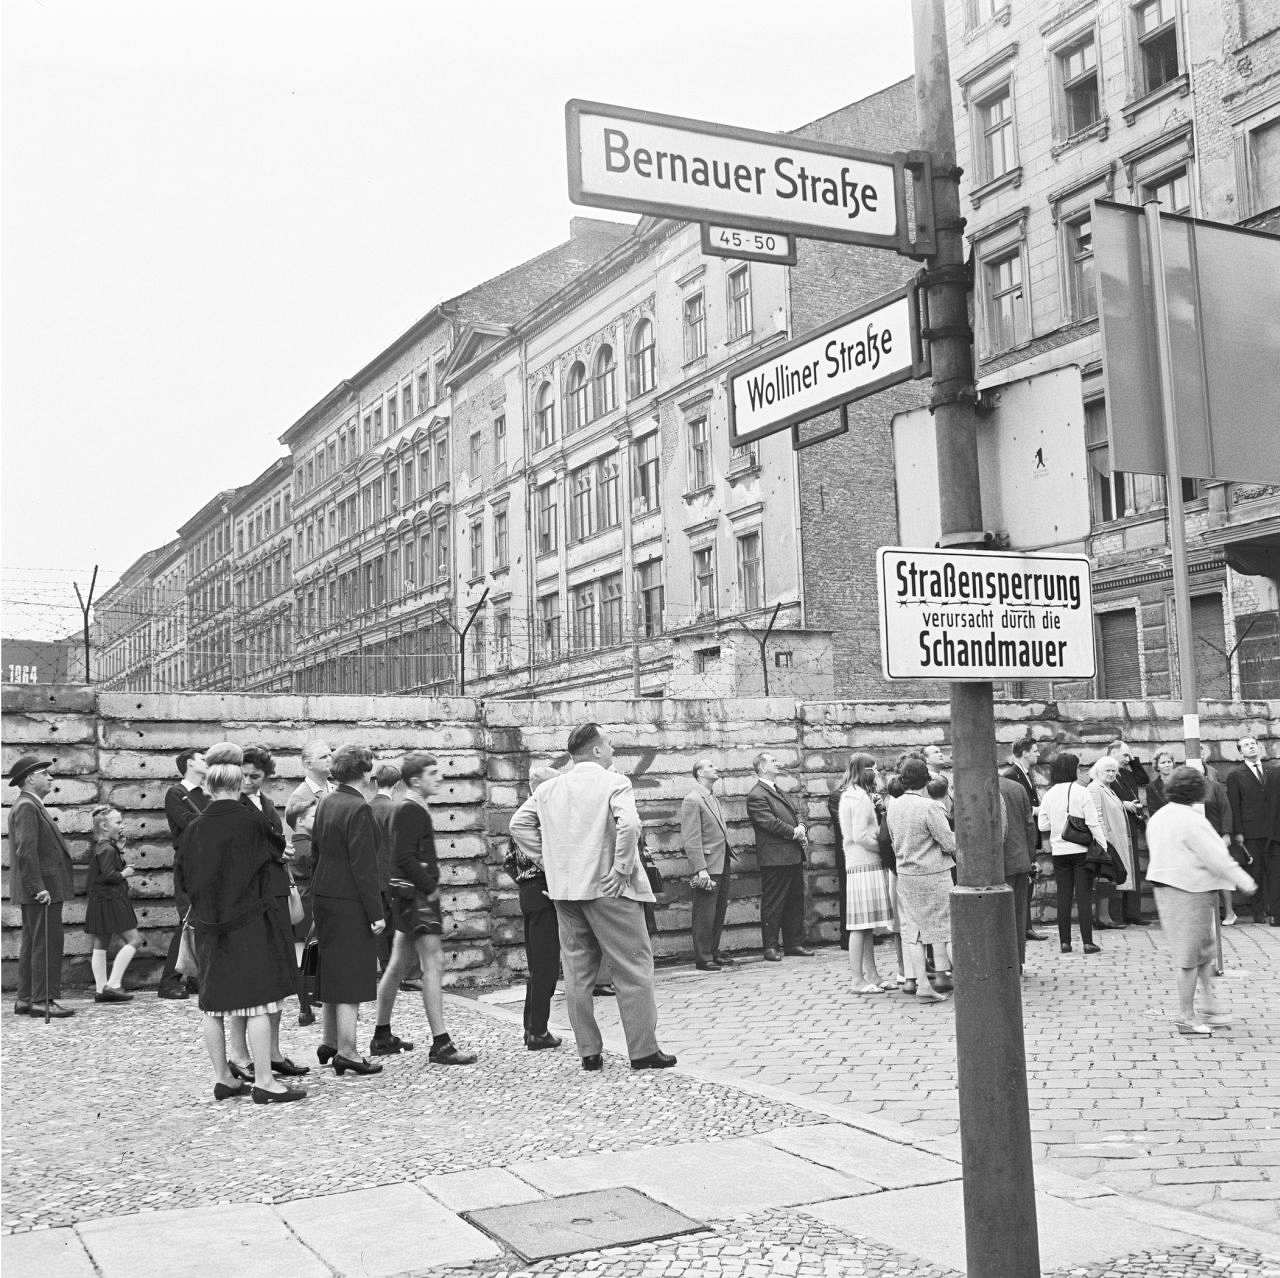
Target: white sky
x,y
212,213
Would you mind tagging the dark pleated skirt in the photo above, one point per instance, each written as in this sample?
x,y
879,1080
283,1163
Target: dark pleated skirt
x,y
109,914
348,952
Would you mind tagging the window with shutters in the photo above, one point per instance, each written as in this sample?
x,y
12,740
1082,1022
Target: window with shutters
x,y
1208,635
1119,668
1258,635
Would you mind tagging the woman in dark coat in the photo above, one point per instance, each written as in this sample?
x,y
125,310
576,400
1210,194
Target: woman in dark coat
x,y
347,901
225,864
258,765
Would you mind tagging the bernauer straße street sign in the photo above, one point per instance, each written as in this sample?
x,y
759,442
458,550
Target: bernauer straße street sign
x,y
980,615
668,166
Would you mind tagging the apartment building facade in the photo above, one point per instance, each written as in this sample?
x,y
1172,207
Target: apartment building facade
x,y
207,541
262,581
373,508
1129,100
121,650
600,505
169,618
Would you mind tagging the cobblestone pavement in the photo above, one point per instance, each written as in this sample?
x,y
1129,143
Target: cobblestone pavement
x,y
113,1112
1116,1094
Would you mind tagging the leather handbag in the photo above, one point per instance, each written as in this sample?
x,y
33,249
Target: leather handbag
x,y
309,964
1106,864
652,872
884,844
1076,829
187,963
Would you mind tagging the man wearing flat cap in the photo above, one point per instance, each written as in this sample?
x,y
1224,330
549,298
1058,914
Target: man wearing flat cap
x,y
40,880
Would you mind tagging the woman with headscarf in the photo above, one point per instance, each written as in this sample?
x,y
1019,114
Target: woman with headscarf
x,y
1189,866
224,865
869,886
1116,826
1072,878
925,850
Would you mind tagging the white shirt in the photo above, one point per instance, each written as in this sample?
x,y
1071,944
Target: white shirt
x,y
581,826
1063,800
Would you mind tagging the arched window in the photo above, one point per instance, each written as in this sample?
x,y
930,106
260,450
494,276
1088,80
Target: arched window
x,y
604,390
575,398
640,370
545,416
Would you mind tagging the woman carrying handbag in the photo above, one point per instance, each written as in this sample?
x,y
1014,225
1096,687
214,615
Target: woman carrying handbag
x,y
1069,817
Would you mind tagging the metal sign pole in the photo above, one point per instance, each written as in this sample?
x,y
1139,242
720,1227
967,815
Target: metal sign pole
x,y
1001,1239
1173,488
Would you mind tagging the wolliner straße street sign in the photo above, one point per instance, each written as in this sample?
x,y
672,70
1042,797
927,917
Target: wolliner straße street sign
x,y
875,346
963,615
668,166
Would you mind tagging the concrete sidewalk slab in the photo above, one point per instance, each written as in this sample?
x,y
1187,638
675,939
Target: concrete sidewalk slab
x,y
248,1240
706,1181
867,1157
47,1253
929,1223
373,1232
473,1190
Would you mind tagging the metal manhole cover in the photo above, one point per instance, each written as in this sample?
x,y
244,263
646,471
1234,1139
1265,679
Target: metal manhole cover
x,y
581,1222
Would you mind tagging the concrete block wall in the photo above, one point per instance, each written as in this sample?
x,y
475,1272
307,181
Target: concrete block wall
x,y
119,748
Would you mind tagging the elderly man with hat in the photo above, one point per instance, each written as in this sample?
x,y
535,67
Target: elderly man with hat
x,y
40,874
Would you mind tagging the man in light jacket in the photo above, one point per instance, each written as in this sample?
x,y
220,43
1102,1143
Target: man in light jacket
x,y
706,844
583,828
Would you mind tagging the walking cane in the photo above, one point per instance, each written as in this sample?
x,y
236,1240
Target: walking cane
x,y
1217,940
46,962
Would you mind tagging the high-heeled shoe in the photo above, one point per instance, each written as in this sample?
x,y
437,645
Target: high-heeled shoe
x,y
242,1072
325,1053
359,1066
264,1096
224,1091
287,1069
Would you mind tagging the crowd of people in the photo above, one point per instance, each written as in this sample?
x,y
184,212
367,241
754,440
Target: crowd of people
x,y
336,899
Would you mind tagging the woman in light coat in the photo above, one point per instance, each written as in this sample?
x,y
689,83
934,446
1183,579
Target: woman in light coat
x,y
1115,822
869,887
1190,864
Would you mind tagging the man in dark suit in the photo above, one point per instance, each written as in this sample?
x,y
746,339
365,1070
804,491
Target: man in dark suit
x,y
183,802
1019,831
1253,790
1026,754
40,880
706,844
781,840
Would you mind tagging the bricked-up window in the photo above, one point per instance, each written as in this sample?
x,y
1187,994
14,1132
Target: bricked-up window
x,y
1210,648
549,626
502,637
1078,75
644,460
1262,165
546,511
1258,635
501,540
750,572
479,649
604,382
544,417
477,452
575,397
607,506
476,546
699,454
1006,307
1119,669
695,327
739,281
584,617
611,610
640,360
650,590
500,440
704,581
441,539
995,147
1156,31
1172,189
1079,249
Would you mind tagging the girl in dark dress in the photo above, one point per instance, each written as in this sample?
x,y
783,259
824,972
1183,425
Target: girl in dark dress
x,y
108,912
224,866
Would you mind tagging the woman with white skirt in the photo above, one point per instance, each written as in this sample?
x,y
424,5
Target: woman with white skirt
x,y
869,886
